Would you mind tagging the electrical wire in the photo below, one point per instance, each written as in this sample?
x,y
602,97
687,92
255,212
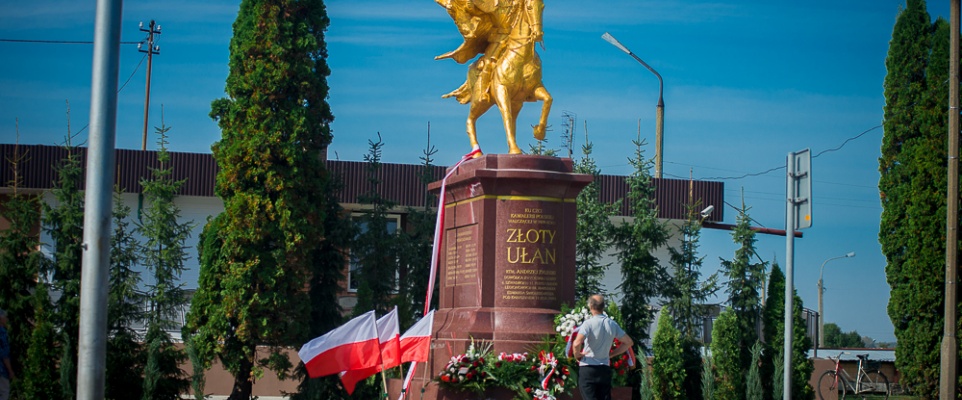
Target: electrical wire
x,y
137,68
720,178
132,73
56,41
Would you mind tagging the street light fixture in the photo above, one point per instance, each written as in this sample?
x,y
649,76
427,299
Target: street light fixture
x,y
821,289
660,110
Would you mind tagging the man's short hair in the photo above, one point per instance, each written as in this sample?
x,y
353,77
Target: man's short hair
x,y
596,302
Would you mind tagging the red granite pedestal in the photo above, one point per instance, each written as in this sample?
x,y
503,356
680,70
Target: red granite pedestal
x,y
507,257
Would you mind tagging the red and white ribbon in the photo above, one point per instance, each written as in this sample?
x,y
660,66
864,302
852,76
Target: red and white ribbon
x,y
438,231
547,360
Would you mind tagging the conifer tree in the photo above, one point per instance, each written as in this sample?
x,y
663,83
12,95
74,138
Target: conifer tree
x,y
774,329
275,125
912,186
708,378
63,222
38,379
20,261
375,250
415,245
778,376
744,280
754,389
668,364
163,254
593,233
688,294
726,354
643,277
124,353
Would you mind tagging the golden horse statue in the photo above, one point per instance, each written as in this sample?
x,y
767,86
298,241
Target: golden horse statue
x,y
508,73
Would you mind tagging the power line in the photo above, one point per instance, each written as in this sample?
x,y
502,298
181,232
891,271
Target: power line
x,y
718,178
132,73
121,86
55,41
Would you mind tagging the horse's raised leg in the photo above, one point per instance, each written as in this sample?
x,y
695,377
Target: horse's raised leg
x,y
508,116
542,94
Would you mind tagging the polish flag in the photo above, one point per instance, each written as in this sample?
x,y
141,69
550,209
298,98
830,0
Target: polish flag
x,y
388,334
416,342
353,345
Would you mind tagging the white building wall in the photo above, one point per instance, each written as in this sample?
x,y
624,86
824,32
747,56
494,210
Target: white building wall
x,y
193,209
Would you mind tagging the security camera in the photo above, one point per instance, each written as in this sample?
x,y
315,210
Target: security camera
x,y
707,211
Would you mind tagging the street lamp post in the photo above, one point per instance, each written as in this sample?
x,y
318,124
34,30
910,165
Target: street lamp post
x,y
821,316
659,111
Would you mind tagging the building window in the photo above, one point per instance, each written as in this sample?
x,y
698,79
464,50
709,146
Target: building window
x,y
392,223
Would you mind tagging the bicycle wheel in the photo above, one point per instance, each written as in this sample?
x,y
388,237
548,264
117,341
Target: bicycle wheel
x,y
874,383
830,386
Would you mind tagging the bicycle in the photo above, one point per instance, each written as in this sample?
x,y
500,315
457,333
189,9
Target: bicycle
x,y
868,382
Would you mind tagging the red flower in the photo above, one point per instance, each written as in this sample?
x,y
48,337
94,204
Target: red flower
x,y
445,378
527,390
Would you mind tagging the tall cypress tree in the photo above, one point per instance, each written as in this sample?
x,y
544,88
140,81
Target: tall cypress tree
x,y
163,253
592,236
912,188
643,277
904,85
275,129
64,223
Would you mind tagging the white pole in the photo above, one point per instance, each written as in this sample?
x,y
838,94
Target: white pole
x,y
92,352
789,272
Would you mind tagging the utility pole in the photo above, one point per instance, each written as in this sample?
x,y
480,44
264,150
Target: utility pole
x,y
151,50
950,348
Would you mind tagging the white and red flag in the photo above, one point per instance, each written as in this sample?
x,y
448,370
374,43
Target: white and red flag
x,y
388,339
416,342
353,345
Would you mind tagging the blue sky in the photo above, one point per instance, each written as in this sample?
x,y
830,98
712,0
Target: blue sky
x,y
746,82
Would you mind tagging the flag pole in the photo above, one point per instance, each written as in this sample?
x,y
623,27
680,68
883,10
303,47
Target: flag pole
x,y
384,382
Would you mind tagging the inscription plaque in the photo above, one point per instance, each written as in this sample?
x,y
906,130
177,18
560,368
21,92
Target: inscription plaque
x,y
462,256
